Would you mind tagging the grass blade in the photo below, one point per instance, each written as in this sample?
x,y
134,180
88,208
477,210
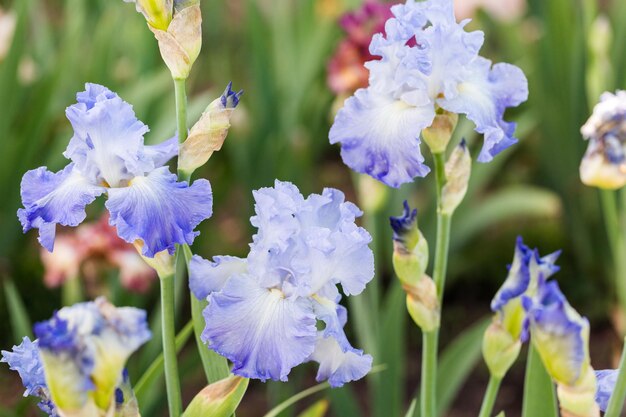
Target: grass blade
x,y
539,395
20,321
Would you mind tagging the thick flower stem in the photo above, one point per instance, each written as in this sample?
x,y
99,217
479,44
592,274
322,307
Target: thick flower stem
x,y
181,109
618,248
431,339
616,402
490,397
172,381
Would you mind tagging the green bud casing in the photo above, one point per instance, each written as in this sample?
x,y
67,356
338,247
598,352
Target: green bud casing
x,y
500,349
458,170
438,135
423,304
220,399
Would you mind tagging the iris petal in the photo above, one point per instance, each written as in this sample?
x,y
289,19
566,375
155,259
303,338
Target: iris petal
x,y
339,366
159,211
379,136
55,198
206,277
263,333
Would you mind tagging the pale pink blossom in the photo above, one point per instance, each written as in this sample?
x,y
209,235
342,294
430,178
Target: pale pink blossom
x,y
502,10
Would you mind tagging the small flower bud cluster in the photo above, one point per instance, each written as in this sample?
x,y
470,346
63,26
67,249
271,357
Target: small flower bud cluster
x,y
410,260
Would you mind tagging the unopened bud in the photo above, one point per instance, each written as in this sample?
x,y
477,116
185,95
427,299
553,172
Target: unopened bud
x,y
162,263
500,349
579,400
422,303
209,133
181,42
220,399
458,170
438,135
410,255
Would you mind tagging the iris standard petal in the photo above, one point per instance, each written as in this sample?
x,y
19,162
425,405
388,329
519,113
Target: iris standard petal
x,y
206,277
108,144
161,153
337,365
263,333
26,361
484,93
159,211
379,136
54,198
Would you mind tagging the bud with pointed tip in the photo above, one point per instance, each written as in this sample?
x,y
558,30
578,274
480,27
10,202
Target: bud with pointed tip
x,y
209,133
220,399
422,303
410,255
458,170
438,135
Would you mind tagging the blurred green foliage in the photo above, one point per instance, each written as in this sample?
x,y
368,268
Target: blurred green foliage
x,y
277,51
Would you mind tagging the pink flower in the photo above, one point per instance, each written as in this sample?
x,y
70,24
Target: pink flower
x,y
87,251
346,71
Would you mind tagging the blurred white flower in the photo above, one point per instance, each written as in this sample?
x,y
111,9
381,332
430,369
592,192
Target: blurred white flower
x,y
502,10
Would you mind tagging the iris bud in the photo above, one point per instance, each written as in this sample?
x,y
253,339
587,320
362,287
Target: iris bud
x,y
579,400
458,170
158,13
422,303
438,135
220,399
209,133
410,255
162,262
500,349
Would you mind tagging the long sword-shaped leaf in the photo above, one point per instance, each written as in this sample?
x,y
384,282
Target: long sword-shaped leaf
x,y
20,322
539,395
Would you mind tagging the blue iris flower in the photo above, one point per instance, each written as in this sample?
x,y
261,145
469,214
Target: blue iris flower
x,y
265,310
607,378
428,61
108,155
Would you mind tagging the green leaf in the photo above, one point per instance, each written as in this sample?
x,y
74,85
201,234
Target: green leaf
x,y
539,395
318,409
20,322
155,370
274,412
411,411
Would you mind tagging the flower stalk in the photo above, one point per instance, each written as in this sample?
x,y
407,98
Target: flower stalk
x,y
490,396
431,339
172,381
616,403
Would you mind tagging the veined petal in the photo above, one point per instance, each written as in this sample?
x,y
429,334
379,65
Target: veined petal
x,y
26,361
54,198
159,211
379,136
108,139
484,93
338,365
206,277
263,333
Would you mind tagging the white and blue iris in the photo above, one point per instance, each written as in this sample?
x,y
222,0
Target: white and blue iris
x,y
84,349
526,271
428,61
107,153
265,310
25,360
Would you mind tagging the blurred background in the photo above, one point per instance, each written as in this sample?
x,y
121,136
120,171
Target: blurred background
x,y
297,60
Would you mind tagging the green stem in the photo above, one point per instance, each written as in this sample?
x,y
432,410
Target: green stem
x,y
72,291
617,245
181,109
431,339
616,403
172,381
490,397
